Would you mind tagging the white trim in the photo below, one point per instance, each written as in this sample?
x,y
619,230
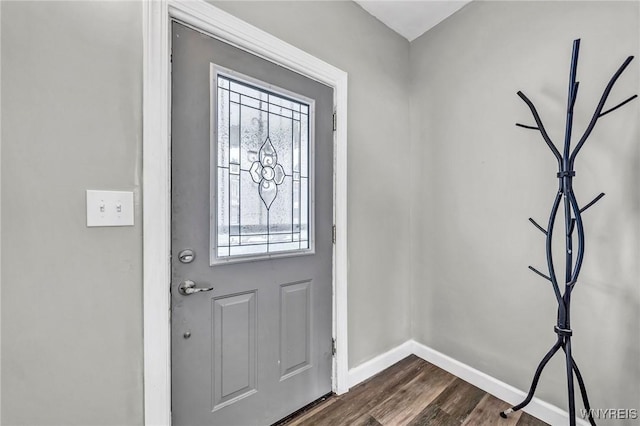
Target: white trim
x,y
0,210
383,361
156,185
156,219
340,330
542,410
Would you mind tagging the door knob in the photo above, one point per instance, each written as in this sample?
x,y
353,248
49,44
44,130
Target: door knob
x,y
188,287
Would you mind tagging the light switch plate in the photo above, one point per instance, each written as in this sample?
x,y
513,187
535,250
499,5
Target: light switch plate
x,y
109,208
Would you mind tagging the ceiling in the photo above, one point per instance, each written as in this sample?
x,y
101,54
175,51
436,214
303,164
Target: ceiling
x,y
411,19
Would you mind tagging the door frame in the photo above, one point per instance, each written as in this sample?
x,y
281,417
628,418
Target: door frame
x,y
156,174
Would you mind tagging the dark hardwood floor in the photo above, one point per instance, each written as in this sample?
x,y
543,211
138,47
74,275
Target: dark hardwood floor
x,y
412,392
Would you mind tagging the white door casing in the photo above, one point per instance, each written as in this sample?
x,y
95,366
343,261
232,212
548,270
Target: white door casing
x,y
156,180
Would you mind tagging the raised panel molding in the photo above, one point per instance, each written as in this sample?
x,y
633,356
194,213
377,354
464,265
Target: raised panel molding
x,y
295,328
234,369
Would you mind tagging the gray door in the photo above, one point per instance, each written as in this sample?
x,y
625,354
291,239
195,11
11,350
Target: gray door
x,y
252,208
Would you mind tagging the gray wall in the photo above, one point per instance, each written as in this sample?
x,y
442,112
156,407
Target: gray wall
x,y
71,295
477,178
71,105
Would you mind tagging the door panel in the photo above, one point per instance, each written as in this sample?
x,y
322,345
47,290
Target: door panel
x,y
234,348
295,328
258,345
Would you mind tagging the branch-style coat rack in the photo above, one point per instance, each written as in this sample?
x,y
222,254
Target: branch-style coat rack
x,y
573,222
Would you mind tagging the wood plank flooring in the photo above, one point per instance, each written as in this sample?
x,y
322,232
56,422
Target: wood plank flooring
x,y
412,392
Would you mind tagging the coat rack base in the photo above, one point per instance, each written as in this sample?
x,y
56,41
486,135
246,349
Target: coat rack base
x,y
563,342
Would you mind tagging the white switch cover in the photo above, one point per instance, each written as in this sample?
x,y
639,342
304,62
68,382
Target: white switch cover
x,y
109,208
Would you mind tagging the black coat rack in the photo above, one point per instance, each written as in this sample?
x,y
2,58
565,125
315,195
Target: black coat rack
x,y
573,221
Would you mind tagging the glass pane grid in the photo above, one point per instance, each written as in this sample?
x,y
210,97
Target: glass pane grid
x,y
262,179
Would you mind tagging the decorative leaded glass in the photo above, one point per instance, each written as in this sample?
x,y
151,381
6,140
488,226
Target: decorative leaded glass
x,y
262,171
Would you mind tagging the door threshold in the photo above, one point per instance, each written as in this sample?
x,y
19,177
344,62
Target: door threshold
x,y
303,410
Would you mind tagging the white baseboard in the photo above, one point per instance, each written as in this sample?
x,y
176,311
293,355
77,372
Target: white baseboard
x,y
374,366
542,410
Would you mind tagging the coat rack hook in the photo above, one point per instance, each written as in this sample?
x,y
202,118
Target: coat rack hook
x,y
544,231
595,200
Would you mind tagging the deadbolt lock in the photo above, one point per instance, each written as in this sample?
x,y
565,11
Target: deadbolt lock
x,y
186,256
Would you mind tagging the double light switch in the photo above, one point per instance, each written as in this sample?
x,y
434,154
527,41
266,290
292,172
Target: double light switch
x,y
109,208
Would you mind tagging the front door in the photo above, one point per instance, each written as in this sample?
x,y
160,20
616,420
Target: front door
x,y
252,209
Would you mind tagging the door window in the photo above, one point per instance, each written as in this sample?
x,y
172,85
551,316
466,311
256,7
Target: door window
x,y
262,152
